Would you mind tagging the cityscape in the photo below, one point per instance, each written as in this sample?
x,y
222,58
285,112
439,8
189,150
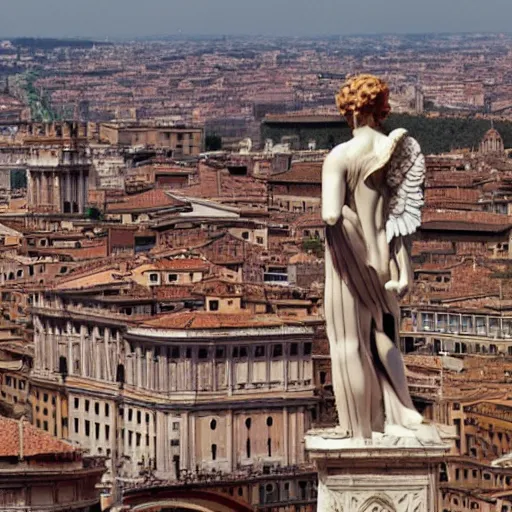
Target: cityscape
x,y
163,344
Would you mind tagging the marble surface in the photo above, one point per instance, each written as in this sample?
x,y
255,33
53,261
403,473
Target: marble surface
x,y
394,436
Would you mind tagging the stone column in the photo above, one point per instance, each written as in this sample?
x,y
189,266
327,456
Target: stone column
x,y
184,448
68,187
30,189
106,343
391,472
286,437
37,189
81,192
83,351
56,193
229,439
138,368
58,415
44,189
162,442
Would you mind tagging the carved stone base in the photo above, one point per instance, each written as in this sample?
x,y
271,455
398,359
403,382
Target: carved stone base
x,y
394,472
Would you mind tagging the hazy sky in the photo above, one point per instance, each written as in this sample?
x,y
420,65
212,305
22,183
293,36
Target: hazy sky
x,y
127,18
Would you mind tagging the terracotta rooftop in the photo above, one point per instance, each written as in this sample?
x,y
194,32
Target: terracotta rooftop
x,y
449,225
207,320
174,292
150,200
301,172
309,220
184,264
36,442
434,215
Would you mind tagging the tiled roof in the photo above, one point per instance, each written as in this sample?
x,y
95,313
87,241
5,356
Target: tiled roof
x,y
183,264
301,172
309,220
174,292
150,200
35,441
207,320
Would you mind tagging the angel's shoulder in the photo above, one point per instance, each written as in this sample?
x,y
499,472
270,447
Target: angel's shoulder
x,y
337,158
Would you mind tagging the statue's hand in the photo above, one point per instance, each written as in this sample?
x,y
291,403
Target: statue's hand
x,y
399,287
330,218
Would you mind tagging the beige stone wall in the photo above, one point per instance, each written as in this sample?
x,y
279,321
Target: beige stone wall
x,y
223,304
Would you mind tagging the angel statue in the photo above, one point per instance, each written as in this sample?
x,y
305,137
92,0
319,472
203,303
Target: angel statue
x,y
372,193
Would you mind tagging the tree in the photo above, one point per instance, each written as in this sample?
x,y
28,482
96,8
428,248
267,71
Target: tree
x,y
213,142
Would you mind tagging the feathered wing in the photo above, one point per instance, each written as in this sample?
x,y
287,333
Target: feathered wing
x,y
405,178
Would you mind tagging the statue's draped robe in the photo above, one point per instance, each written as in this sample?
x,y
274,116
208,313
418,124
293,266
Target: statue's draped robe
x,y
356,290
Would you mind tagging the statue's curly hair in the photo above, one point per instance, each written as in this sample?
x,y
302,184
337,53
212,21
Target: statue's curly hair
x,y
363,94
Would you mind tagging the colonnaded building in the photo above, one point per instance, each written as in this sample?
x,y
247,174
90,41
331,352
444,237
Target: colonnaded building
x,y
183,397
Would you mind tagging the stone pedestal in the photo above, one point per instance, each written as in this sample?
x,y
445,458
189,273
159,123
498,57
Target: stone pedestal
x,y
393,472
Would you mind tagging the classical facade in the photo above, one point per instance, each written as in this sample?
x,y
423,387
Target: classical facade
x,y
58,181
178,395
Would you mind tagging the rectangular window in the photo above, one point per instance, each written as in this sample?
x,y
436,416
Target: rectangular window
x,y
96,408
308,348
107,410
97,430
277,350
139,417
87,428
130,414
175,442
203,353
176,425
494,327
427,321
481,325
107,432
77,403
77,426
130,437
467,324
219,352
259,351
454,323
137,439
294,349
442,322
175,352
87,406
172,278
45,425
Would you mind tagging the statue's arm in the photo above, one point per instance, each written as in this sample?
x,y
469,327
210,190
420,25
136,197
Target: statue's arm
x,y
333,186
405,274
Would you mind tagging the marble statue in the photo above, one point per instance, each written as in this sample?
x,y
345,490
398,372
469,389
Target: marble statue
x,y
372,194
